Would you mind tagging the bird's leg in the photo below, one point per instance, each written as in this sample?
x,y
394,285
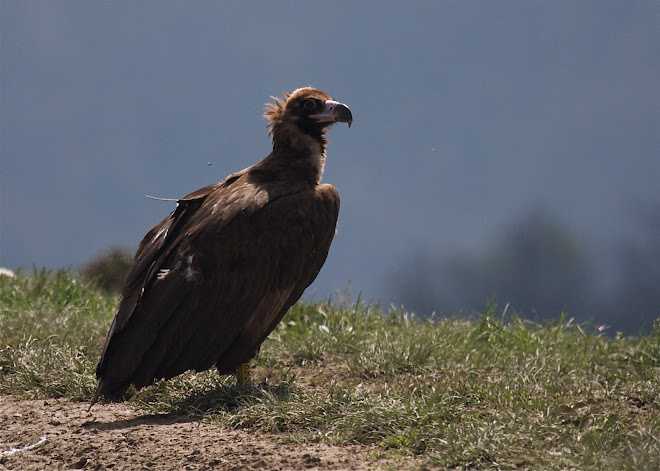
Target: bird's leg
x,y
242,373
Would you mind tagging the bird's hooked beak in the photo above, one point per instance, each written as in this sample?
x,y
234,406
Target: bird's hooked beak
x,y
334,112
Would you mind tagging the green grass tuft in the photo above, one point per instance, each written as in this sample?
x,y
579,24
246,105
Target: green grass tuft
x,y
492,392
52,328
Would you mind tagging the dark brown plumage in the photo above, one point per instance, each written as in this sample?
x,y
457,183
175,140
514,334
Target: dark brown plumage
x,y
214,278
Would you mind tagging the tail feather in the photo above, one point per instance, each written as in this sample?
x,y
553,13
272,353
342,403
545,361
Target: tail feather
x,y
109,391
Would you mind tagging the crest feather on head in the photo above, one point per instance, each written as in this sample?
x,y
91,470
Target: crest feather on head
x,y
275,111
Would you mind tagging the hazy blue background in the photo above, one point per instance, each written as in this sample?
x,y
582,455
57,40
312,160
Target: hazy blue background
x,y
480,127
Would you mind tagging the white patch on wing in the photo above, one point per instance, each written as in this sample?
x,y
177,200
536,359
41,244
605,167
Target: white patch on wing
x,y
160,233
162,273
189,272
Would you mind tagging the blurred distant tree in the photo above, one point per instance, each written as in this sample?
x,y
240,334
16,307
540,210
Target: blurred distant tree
x,y
636,294
109,269
538,266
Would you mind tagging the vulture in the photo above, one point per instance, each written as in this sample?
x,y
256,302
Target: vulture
x,y
215,277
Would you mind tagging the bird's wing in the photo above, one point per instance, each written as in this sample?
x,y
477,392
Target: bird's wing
x,y
228,266
151,252
154,246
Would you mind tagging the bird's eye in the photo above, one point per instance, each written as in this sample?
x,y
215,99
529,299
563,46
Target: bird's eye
x,y
310,104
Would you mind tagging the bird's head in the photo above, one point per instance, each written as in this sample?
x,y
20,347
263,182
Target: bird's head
x,y
308,109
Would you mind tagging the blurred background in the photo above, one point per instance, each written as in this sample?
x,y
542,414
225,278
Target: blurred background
x,y
505,151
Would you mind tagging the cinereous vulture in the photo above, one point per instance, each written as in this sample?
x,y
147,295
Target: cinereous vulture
x,y
214,278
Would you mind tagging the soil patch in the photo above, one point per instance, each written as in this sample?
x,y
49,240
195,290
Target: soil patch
x,y
61,434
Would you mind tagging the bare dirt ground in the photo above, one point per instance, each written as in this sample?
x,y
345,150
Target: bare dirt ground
x,y
59,434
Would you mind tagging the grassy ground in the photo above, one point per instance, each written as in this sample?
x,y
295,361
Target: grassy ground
x,y
487,393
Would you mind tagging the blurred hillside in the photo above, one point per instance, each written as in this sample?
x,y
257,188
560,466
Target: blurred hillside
x,y
540,267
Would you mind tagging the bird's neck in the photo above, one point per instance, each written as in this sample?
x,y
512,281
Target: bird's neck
x,y
300,151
